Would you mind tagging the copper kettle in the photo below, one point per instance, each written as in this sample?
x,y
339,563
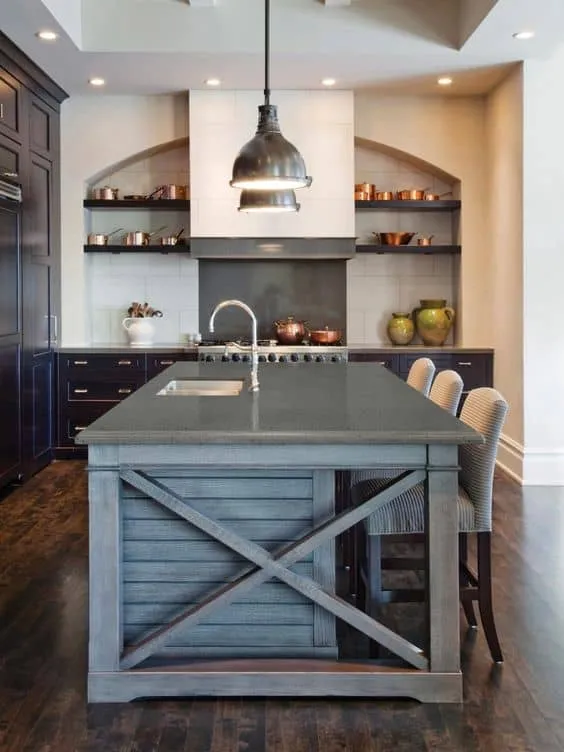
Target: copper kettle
x,y
289,331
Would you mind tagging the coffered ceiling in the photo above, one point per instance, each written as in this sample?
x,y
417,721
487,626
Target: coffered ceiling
x,y
157,46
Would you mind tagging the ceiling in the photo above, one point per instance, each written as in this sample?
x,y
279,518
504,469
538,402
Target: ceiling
x,y
162,46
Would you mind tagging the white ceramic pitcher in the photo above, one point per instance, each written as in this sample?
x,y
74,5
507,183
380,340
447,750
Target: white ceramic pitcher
x,y
141,331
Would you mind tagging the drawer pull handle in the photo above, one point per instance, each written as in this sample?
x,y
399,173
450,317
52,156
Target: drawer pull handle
x,y
1,111
124,362
381,363
80,362
167,362
125,391
464,363
80,391
79,428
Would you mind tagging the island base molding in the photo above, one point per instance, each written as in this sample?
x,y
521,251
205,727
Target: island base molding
x,y
275,679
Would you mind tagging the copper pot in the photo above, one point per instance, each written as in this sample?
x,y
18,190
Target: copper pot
x,y
415,194
425,240
105,194
384,196
290,332
436,196
364,191
171,192
138,237
325,336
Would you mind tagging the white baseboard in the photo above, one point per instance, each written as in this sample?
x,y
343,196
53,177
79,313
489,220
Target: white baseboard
x,y
531,467
510,458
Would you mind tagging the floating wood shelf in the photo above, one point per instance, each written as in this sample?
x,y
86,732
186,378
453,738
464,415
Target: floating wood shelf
x,y
413,249
179,248
183,204
432,206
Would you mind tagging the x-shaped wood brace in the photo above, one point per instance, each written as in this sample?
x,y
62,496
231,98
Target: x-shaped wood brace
x,y
273,565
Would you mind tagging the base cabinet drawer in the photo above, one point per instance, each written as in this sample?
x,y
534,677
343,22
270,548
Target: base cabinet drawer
x,y
79,364
388,361
158,363
474,370
101,391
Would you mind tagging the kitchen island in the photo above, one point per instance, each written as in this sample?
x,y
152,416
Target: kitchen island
x,y
213,526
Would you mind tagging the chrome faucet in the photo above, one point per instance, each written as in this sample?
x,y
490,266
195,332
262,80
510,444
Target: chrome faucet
x,y
254,387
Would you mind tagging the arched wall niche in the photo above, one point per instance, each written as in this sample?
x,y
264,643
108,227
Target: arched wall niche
x,y
142,172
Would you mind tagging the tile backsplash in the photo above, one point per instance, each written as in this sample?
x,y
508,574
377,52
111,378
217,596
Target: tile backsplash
x,y
167,282
378,285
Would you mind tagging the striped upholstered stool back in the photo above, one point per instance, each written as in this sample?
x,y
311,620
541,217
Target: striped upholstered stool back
x,y
421,374
484,410
447,390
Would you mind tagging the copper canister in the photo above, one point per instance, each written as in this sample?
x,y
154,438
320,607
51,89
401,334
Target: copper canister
x,y
366,189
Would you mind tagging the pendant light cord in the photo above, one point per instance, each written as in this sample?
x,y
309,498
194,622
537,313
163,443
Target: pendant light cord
x,y
267,52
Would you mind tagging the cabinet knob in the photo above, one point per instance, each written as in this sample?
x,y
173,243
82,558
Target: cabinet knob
x,y
124,362
80,362
125,391
80,391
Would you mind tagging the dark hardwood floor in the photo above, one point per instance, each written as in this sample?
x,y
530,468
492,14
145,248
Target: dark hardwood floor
x,y
43,618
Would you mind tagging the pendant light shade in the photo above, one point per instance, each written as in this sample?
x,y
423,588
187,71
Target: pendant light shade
x,y
268,201
268,162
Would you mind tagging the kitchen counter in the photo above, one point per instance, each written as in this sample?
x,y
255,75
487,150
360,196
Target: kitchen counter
x,y
212,525
309,403
389,349
111,348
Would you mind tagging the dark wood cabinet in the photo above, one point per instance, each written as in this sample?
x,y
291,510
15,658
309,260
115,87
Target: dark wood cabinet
x,y
10,434
10,104
91,383
29,307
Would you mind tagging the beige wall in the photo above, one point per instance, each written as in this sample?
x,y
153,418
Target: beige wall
x,y
97,132
504,130
449,134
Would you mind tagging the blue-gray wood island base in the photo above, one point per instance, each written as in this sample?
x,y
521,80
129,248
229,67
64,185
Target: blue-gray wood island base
x,y
213,525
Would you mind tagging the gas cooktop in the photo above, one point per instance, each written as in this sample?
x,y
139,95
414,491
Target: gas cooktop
x,y
269,351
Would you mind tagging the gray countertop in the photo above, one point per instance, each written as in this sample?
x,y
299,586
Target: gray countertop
x,y
356,403
111,349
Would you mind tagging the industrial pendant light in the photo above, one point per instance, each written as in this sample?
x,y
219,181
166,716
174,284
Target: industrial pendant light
x,y
268,201
268,162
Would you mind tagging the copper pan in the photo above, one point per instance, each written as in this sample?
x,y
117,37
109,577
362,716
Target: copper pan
x,y
325,336
413,194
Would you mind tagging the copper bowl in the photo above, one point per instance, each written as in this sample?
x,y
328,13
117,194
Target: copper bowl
x,y
394,238
325,336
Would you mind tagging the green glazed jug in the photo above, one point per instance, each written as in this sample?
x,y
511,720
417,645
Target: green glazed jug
x,y
401,329
433,321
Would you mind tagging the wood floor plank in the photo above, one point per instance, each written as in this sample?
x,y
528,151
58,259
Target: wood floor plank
x,y
43,644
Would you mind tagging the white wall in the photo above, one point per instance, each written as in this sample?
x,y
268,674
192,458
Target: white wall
x,y
504,128
318,123
448,133
97,132
543,273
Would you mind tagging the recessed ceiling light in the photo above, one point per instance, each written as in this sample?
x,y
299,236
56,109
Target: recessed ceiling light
x,y
212,81
444,81
97,81
47,36
523,35
329,81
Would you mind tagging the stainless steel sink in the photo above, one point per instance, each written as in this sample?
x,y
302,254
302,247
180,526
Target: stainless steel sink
x,y
203,388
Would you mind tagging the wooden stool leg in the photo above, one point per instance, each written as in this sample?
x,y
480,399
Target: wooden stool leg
x,y
485,595
374,578
467,605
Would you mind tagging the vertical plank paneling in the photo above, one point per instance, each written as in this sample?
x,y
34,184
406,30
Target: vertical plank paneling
x,y
105,640
441,525
324,629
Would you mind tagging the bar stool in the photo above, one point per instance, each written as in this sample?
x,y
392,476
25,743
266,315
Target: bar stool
x,y
447,391
421,374
485,411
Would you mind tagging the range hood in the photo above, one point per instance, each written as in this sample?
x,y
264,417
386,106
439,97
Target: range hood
x,y
322,122
272,249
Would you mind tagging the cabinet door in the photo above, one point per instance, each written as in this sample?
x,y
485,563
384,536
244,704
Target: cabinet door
x,y
41,121
10,156
40,270
10,435
9,104
9,271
